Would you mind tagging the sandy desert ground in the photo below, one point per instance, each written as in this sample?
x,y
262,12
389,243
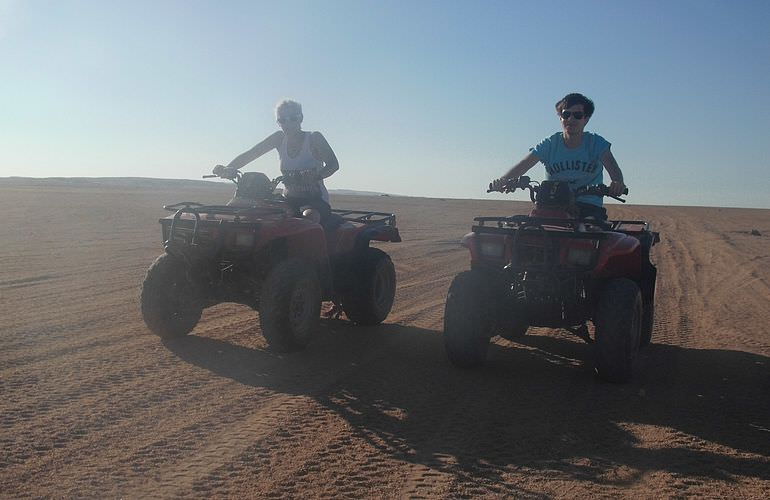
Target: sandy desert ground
x,y
93,405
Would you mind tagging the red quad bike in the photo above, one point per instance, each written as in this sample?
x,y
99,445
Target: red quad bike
x,y
263,255
553,269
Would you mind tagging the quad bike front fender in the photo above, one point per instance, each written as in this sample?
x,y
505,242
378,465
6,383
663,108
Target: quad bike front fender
x,y
300,238
620,255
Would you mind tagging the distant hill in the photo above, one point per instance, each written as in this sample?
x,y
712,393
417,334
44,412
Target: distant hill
x,y
357,193
137,182
127,182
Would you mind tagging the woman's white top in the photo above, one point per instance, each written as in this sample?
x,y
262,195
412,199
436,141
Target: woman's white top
x,y
296,187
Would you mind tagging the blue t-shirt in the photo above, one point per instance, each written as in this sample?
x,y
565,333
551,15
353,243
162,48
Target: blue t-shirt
x,y
581,166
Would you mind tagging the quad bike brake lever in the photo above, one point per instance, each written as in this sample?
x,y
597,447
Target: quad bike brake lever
x,y
625,191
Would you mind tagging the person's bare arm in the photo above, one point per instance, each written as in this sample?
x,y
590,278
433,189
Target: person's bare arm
x,y
325,154
271,142
515,172
617,186
522,167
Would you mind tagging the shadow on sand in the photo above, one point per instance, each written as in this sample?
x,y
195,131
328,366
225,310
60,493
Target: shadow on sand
x,y
535,405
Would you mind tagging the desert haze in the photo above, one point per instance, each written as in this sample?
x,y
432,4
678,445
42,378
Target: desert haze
x,y
94,405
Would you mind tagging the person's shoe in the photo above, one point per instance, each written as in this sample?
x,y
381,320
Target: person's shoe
x,y
334,312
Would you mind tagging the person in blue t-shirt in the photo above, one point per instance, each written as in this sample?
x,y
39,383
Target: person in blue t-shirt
x,y
573,155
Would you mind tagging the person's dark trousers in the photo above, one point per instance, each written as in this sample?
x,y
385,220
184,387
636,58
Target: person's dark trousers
x,y
588,210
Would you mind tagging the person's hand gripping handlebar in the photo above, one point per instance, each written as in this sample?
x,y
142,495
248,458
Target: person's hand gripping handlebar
x,y
506,185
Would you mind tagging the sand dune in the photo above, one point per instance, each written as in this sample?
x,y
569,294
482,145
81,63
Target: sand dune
x,y
94,405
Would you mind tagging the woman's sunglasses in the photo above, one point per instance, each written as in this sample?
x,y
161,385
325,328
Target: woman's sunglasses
x,y
577,115
289,119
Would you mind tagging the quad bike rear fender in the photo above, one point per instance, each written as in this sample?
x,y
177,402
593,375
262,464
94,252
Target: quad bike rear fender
x,y
356,228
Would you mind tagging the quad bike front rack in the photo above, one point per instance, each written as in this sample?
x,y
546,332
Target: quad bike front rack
x,y
196,209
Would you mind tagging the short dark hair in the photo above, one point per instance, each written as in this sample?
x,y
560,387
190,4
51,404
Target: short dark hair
x,y
570,100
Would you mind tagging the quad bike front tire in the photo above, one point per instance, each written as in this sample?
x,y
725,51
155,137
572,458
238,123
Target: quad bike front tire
x,y
374,289
618,322
170,306
647,285
290,305
648,320
469,317
648,303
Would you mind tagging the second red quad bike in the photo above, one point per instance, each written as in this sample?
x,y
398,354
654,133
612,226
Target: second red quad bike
x,y
554,269
262,254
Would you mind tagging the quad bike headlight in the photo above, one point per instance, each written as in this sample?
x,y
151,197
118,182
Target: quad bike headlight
x,y
580,256
492,249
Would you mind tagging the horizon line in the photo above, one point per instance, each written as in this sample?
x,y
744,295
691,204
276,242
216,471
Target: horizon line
x,y
361,192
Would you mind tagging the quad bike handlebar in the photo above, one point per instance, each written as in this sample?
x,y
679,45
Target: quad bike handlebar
x,y
235,175
524,182
510,185
600,190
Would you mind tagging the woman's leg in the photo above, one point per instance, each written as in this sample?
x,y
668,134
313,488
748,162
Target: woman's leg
x,y
318,204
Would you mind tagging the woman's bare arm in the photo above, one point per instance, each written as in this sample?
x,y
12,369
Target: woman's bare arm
x,y
271,142
325,154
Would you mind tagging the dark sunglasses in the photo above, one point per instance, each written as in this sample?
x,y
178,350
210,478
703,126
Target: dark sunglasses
x,y
577,115
289,119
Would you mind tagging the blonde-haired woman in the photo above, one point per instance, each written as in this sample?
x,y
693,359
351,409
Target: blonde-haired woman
x,y
306,160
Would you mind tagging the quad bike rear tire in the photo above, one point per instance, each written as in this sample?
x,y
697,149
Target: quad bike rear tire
x,y
618,322
290,305
170,306
469,317
374,289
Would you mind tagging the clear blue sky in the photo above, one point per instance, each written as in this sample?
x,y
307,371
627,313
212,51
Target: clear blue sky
x,y
416,97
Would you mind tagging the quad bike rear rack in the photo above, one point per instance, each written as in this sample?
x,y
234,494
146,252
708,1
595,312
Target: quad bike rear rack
x,y
380,226
366,217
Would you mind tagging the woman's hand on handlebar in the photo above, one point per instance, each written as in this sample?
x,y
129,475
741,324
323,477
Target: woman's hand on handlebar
x,y
225,172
